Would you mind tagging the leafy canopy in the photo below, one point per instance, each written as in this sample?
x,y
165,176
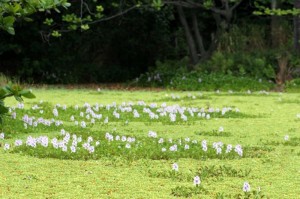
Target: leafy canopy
x,y
12,10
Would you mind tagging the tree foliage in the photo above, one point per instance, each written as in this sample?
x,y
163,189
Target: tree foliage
x,y
11,90
14,10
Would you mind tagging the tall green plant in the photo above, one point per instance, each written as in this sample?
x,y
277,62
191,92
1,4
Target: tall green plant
x,y
9,91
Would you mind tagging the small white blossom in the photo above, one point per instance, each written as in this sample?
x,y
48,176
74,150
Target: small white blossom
x,y
161,140
197,181
221,129
6,147
246,187
2,136
152,134
73,149
55,112
286,137
175,167
18,142
186,147
83,124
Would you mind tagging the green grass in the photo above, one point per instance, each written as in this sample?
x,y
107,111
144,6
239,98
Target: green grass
x,y
269,161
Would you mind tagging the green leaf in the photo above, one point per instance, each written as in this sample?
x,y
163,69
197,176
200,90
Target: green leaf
x,y
28,19
67,4
9,20
27,94
18,98
85,27
3,109
2,93
48,21
57,10
55,33
11,30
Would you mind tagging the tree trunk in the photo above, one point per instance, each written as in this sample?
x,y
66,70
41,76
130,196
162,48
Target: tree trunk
x,y
189,37
297,28
275,27
282,72
198,36
279,41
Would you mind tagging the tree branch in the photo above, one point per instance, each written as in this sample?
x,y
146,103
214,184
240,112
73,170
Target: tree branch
x,y
114,16
236,5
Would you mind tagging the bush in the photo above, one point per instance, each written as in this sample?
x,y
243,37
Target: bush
x,y
293,85
9,91
201,81
241,64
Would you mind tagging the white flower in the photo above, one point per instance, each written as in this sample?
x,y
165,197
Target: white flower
x,y
55,112
82,124
81,114
123,139
152,134
173,148
229,148
14,115
204,145
239,150
163,150
286,137
175,166
18,142
128,146
208,116
184,117
62,132
186,147
221,129
106,120
90,139
161,140
172,117
64,148
218,150
2,136
31,141
73,149
246,187
91,149
6,147
197,180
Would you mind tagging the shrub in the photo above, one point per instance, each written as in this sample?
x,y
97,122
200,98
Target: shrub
x,y
9,91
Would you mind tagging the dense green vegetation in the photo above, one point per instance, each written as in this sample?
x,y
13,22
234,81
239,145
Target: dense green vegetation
x,y
109,41
212,127
121,155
